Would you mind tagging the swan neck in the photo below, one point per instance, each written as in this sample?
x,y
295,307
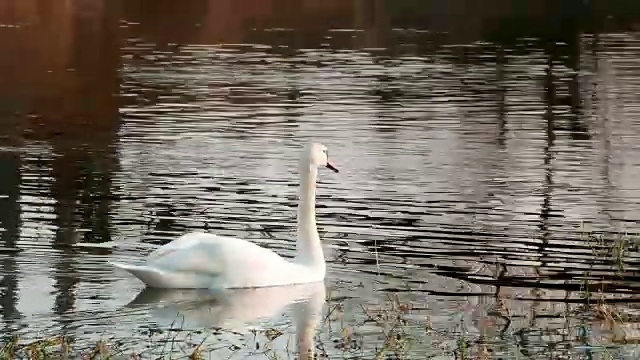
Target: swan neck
x,y
309,250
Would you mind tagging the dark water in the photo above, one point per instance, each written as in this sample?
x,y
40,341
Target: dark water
x,y
478,146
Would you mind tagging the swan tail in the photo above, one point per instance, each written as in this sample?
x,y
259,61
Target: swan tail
x,y
153,277
149,276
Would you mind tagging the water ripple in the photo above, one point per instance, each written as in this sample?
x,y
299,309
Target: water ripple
x,y
465,171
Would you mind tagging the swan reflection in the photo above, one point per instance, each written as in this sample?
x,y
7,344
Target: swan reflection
x,y
238,309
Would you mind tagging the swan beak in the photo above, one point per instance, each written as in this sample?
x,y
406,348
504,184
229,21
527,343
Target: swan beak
x,y
332,167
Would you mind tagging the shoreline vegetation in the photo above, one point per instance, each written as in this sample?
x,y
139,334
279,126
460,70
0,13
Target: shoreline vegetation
x,y
394,330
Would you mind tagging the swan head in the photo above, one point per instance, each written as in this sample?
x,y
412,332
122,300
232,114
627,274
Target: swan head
x,y
317,155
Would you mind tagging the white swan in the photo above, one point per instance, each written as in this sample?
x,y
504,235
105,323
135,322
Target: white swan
x,y
201,260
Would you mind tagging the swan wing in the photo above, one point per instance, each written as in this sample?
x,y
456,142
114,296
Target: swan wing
x,y
184,242
199,253
227,261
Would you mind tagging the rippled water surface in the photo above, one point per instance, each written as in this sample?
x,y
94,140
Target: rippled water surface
x,y
488,190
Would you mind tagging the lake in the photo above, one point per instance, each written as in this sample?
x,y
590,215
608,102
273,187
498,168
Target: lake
x,y
487,205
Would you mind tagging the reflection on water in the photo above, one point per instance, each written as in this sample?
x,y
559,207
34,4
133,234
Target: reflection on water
x,y
476,141
237,311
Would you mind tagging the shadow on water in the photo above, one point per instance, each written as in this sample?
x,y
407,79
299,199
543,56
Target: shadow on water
x,y
476,137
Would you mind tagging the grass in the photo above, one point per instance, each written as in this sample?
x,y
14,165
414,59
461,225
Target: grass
x,y
609,254
397,329
53,348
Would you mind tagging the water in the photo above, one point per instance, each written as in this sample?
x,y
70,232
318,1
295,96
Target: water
x,y
474,156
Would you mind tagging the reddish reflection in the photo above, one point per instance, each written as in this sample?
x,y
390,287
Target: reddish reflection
x,y
59,80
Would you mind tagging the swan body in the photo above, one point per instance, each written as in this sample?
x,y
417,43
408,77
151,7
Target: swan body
x,y
201,260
